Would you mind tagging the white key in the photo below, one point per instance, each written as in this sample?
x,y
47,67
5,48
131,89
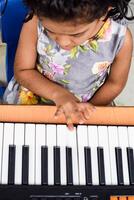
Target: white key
x,y
113,142
82,142
1,147
103,142
8,140
40,141
19,142
51,142
30,141
131,137
61,142
93,144
71,138
123,143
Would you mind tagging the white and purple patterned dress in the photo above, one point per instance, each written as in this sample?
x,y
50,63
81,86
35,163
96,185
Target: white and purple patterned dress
x,y
81,70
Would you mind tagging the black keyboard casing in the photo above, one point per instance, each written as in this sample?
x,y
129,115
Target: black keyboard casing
x,y
40,192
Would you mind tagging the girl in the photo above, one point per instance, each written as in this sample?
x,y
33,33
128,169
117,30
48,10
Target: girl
x,y
75,54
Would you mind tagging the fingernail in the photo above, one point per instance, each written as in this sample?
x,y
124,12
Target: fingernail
x,y
55,116
88,117
94,108
81,122
71,128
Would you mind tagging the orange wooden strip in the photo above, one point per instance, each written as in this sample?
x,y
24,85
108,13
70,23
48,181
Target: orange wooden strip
x,y
113,198
130,197
122,198
45,114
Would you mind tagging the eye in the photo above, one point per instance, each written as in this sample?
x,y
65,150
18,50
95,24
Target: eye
x,y
49,32
77,35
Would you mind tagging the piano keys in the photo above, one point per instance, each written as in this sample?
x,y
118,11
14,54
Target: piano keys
x,y
46,161
89,155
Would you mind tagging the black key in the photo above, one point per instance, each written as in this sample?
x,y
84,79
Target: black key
x,y
130,157
118,153
25,164
57,165
101,165
11,164
44,165
69,166
88,169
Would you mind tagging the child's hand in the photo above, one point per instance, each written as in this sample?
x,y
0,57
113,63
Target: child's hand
x,y
81,111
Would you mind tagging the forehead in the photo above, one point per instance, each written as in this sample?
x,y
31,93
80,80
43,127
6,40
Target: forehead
x,y
64,27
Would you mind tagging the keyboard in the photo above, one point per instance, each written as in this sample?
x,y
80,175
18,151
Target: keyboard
x,y
44,161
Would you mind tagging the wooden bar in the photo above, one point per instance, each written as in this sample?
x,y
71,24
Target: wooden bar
x,y
130,197
122,197
45,114
113,198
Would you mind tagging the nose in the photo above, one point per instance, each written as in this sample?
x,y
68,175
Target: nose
x,y
64,41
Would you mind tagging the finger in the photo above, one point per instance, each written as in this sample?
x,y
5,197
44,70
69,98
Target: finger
x,y
87,113
78,114
80,117
88,106
58,112
91,107
70,127
85,109
69,123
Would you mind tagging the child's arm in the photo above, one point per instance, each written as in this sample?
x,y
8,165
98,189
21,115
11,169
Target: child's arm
x,y
26,75
118,75
25,62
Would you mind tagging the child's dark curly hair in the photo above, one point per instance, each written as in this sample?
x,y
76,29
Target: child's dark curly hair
x,y
87,10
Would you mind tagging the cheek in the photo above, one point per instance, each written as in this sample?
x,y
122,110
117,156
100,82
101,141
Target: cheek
x,y
76,41
53,37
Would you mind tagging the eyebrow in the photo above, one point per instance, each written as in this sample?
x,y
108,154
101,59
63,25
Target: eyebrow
x,y
68,34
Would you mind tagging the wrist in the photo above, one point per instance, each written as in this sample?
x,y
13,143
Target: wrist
x,y
63,96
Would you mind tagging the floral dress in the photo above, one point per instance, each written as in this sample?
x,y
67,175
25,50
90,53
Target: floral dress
x,y
81,70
